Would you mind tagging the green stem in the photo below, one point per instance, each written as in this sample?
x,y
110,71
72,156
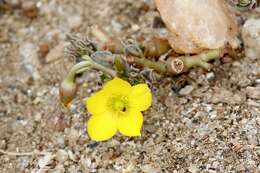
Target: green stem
x,y
201,59
85,65
103,68
73,71
157,66
187,62
98,66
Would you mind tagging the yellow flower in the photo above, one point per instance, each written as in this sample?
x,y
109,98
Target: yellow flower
x,y
117,107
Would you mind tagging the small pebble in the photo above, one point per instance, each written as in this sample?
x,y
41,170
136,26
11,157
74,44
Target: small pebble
x,y
257,81
6,159
61,156
38,117
210,76
55,53
150,128
3,144
72,156
117,27
44,49
72,169
59,169
149,169
86,163
135,28
193,169
186,90
29,58
60,141
253,92
30,9
15,3
23,163
72,136
74,21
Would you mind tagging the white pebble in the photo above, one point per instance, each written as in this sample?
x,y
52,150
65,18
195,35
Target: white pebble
x,y
186,90
61,156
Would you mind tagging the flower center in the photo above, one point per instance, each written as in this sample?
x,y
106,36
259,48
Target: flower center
x,y
118,104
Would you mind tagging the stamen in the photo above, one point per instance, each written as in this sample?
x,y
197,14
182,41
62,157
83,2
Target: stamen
x,y
118,103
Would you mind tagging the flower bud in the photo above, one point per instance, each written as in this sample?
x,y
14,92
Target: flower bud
x,y
68,92
133,48
155,47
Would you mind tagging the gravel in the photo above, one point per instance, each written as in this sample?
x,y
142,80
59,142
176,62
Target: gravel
x,y
215,127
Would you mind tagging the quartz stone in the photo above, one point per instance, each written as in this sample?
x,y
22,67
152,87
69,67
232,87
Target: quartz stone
x,y
198,25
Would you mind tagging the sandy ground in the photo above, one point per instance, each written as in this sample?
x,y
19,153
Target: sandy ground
x,y
215,128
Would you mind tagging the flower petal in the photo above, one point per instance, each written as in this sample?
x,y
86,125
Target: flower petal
x,y
140,97
130,123
102,127
97,103
117,85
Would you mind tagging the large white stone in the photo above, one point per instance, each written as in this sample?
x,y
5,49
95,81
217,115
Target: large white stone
x,y
197,25
251,38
